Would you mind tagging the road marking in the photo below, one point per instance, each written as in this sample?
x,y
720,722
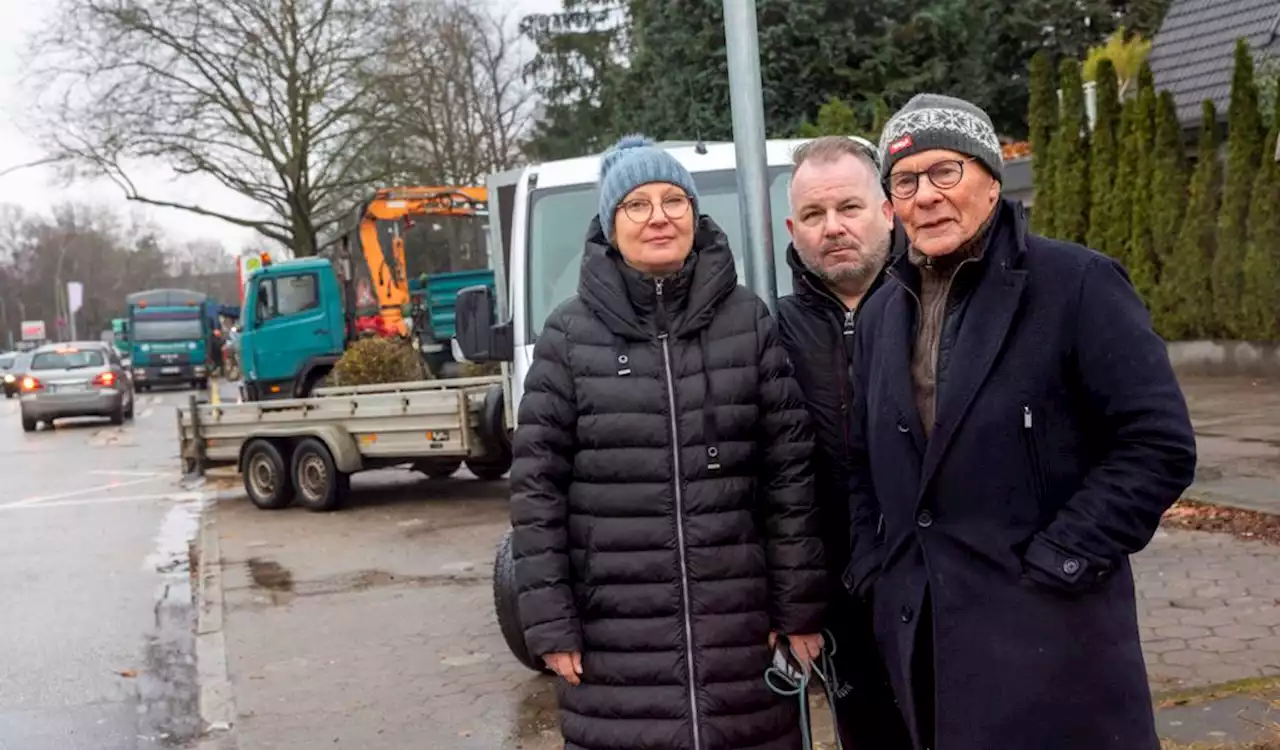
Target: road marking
x,y
109,500
116,473
76,493
146,413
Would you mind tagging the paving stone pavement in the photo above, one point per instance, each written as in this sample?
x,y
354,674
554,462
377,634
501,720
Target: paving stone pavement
x,y
1209,609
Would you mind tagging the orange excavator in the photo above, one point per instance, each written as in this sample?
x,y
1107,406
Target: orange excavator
x,y
402,234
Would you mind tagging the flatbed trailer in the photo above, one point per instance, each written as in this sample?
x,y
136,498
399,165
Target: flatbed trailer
x,y
305,450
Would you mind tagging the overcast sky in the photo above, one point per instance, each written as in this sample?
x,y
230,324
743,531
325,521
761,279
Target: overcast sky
x,y
36,189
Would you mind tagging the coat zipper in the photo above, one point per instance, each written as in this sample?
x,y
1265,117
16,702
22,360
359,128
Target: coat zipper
x,y
1033,454
684,562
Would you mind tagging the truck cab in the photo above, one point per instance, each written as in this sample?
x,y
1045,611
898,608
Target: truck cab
x,y
169,337
293,328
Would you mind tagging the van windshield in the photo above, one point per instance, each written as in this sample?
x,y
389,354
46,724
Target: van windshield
x,y
558,226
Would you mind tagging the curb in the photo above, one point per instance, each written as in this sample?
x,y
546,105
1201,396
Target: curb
x,y
217,698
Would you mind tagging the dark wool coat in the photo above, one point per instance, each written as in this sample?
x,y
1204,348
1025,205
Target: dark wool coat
x,y
817,331
1061,437
663,506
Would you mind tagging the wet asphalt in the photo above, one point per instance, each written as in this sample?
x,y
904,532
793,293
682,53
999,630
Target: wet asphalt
x,y
96,639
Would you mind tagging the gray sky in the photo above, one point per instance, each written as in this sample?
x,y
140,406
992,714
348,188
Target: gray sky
x,y
36,189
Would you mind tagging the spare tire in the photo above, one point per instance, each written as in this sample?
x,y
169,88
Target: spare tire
x,y
507,606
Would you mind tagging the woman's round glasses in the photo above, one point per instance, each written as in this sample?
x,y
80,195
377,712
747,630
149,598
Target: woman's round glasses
x,y
640,209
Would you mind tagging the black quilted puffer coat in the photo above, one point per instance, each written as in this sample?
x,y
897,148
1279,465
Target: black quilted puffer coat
x,y
663,508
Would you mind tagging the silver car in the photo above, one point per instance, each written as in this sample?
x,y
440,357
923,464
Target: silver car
x,y
77,379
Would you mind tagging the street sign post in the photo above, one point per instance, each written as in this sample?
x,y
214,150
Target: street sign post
x,y
747,103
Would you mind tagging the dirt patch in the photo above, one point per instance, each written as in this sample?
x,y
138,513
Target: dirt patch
x,y
1262,688
270,575
1242,524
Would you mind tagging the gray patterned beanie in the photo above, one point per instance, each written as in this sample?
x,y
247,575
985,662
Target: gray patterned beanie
x,y
932,121
632,162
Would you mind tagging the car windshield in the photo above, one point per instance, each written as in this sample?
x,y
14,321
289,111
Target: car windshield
x,y
559,219
70,359
167,330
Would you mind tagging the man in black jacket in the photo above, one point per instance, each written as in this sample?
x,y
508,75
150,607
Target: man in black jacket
x,y
840,225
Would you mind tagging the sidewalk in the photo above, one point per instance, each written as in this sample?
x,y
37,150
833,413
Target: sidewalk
x,y
373,628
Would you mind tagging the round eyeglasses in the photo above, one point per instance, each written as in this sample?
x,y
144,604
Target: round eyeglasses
x,y
640,210
944,175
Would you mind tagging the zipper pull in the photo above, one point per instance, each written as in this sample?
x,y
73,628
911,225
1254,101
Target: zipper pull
x,y
658,284
1026,417
849,319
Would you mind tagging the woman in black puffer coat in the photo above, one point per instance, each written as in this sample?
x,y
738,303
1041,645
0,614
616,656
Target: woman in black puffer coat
x,y
661,495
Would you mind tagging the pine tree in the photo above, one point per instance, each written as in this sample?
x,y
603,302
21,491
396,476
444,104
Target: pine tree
x,y
1168,182
1184,300
1071,159
1120,217
1141,253
1244,151
1042,115
1103,158
835,117
1260,306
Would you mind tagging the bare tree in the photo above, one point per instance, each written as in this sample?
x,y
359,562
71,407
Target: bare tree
x,y
279,100
461,109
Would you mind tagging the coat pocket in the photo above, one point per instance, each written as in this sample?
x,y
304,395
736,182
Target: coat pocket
x,y
1034,453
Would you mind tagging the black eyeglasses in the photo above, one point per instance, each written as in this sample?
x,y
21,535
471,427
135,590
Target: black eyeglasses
x,y
944,175
673,207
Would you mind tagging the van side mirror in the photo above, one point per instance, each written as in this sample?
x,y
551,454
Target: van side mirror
x,y
478,338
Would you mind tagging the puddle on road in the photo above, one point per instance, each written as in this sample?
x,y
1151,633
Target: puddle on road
x,y
270,575
168,692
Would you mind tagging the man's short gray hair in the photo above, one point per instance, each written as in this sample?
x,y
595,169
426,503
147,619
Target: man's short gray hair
x,y
829,148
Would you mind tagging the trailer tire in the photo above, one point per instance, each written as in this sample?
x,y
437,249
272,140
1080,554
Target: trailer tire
x,y
267,479
438,468
320,485
506,605
490,469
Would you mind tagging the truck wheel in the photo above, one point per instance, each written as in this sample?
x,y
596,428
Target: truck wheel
x,y
490,469
266,476
438,468
320,484
507,606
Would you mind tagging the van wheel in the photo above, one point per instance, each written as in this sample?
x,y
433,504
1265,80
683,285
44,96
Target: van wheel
x,y
320,485
438,468
266,476
507,606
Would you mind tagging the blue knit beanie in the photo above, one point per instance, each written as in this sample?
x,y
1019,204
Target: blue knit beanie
x,y
632,162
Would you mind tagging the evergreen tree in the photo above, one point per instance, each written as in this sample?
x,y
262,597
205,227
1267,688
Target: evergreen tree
x,y
1260,306
1071,159
1043,119
880,115
1244,151
835,118
1103,159
1141,252
1168,182
1120,217
1184,300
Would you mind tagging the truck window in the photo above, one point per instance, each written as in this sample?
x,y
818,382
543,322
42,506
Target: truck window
x,y
167,330
558,223
295,294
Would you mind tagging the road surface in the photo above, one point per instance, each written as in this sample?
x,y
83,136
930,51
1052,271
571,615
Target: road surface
x,y
96,644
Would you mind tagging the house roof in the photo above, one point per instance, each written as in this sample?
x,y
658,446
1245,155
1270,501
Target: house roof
x,y
1193,54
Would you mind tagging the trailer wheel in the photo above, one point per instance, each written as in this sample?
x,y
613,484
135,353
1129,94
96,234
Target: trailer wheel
x,y
490,469
438,468
320,485
507,606
266,476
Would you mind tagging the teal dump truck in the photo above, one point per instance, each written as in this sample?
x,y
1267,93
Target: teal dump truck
x,y
170,337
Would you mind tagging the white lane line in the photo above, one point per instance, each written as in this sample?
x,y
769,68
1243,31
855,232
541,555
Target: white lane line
x,y
77,493
117,473
173,496
146,413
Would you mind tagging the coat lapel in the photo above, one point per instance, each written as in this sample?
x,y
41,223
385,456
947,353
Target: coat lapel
x,y
896,338
991,311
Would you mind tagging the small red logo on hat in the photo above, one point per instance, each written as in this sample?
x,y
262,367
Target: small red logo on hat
x,y
905,141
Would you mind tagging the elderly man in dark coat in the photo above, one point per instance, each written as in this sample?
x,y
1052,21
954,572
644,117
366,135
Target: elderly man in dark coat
x,y
1017,434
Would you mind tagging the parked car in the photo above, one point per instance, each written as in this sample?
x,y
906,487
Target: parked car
x,y
77,379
